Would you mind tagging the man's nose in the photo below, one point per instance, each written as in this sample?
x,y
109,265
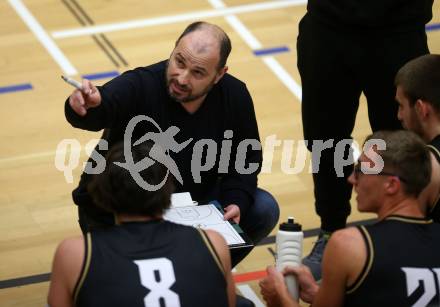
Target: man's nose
x,y
183,77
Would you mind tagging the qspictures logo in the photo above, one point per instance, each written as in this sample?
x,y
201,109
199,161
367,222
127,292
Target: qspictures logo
x,y
205,153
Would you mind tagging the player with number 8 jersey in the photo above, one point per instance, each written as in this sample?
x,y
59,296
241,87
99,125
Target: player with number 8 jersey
x,y
146,263
144,260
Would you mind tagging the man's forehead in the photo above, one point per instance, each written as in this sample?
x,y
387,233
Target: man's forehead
x,y
201,42
198,53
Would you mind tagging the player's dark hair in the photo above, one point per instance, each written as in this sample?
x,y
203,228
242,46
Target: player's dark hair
x,y
116,190
420,79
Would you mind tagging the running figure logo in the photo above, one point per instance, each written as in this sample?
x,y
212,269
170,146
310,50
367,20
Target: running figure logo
x,y
163,143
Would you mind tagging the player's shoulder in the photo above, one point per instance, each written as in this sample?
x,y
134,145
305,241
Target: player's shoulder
x,y
346,239
70,253
71,245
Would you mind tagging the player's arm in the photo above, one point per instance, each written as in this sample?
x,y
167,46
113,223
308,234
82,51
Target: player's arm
x,y
95,108
344,258
222,250
66,268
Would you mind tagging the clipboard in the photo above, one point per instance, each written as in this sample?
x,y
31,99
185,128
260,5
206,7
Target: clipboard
x,y
247,242
210,216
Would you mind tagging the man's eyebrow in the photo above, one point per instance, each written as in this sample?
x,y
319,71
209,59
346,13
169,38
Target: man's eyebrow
x,y
202,69
178,54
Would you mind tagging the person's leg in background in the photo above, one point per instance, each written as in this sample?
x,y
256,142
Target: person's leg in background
x,y
331,86
388,54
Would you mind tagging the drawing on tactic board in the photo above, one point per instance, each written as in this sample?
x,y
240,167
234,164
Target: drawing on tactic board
x,y
205,217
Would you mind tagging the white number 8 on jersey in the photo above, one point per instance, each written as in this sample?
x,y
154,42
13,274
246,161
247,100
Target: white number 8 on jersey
x,y
158,289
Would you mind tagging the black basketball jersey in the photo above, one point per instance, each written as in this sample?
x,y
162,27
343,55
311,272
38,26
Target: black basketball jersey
x,y
434,147
155,263
402,266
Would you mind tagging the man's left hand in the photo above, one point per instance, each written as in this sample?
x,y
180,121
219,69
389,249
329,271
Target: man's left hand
x,y
232,211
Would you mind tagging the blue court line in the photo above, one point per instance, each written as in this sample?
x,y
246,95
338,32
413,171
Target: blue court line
x,y
269,51
101,75
15,88
432,27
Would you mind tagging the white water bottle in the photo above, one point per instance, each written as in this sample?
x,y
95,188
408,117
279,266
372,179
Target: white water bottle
x,y
289,241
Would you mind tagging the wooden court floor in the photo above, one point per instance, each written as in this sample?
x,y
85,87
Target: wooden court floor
x,y
42,39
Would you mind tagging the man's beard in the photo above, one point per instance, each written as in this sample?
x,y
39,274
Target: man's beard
x,y
415,125
189,98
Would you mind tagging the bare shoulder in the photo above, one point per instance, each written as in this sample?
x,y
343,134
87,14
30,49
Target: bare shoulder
x,y
346,244
216,239
347,247
67,263
429,196
340,265
222,250
71,247
346,236
435,168
69,255
220,246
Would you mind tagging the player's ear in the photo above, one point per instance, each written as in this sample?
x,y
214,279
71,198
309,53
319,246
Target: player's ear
x,y
423,108
393,184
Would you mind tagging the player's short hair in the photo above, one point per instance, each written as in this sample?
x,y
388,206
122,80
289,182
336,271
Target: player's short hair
x,y
407,156
115,189
420,79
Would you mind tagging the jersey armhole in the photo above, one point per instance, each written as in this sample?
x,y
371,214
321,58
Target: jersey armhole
x,y
212,250
85,266
435,152
368,261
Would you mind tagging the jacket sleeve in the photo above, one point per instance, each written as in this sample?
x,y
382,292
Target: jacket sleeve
x,y
239,185
119,99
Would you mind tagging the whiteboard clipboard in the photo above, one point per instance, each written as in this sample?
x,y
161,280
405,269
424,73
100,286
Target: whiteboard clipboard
x,y
209,216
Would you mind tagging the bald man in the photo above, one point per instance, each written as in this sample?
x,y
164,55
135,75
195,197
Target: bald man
x,y
216,144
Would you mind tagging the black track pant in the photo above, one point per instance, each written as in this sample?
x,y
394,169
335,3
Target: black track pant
x,y
336,65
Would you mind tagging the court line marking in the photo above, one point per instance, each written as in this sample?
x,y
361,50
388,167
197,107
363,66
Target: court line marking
x,y
141,23
101,75
254,44
249,276
43,37
15,88
432,27
273,50
39,155
247,292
